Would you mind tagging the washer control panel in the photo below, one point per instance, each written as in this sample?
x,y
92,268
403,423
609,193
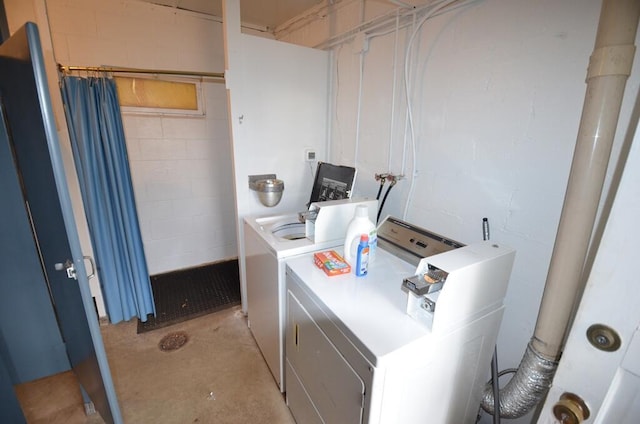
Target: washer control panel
x,y
411,242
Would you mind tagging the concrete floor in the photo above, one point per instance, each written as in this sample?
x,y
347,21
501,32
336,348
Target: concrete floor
x,y
218,376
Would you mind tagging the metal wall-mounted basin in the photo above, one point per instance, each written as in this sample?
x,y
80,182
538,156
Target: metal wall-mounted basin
x,y
268,187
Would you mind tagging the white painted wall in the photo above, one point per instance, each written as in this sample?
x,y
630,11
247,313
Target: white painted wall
x,y
278,110
497,94
278,96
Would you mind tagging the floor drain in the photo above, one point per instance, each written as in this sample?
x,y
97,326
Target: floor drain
x,y
173,341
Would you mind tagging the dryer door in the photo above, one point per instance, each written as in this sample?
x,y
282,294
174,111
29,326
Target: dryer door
x,y
334,388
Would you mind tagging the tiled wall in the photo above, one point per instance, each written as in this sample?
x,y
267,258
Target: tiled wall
x,y
181,170
181,166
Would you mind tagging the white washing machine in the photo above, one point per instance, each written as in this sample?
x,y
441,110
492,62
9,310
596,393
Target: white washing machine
x,y
409,343
268,243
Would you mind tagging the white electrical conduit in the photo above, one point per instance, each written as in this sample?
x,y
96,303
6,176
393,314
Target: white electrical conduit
x,y
359,106
609,68
374,24
406,131
394,78
407,65
402,4
381,22
363,50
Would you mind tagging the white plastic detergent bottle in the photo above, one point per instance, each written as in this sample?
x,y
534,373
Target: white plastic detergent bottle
x,y
360,224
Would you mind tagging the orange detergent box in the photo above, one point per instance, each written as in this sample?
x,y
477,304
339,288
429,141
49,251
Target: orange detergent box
x,y
331,263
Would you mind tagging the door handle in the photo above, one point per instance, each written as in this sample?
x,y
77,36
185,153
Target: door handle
x,y
71,269
67,266
93,266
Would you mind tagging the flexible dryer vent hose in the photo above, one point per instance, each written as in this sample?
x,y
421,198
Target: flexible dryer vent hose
x,y
525,389
609,68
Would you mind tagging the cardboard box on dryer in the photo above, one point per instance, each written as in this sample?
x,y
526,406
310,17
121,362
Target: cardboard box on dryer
x,y
331,263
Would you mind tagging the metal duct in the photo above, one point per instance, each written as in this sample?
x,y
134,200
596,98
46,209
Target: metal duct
x,y
609,68
526,388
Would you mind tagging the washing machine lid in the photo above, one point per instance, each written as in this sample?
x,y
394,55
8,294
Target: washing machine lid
x,y
332,182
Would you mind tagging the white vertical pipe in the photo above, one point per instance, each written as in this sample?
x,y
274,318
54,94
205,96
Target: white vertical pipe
x,y
356,146
394,80
609,68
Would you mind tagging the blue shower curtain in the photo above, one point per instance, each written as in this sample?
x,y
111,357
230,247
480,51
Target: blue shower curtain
x,y
100,156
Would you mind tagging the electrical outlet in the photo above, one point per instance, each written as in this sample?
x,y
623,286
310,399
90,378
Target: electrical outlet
x,y
310,155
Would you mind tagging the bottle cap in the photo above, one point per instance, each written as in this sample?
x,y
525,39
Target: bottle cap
x,y
362,210
364,237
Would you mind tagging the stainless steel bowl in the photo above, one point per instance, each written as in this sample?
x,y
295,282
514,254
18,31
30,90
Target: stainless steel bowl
x,y
269,191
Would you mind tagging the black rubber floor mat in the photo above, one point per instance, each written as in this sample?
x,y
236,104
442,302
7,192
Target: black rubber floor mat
x,y
190,293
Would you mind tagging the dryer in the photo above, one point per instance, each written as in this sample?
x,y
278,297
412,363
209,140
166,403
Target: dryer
x,y
409,343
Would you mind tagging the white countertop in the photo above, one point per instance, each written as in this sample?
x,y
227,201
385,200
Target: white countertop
x,y
370,310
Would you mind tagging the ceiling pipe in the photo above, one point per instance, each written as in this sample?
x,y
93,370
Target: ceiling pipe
x,y
609,68
402,4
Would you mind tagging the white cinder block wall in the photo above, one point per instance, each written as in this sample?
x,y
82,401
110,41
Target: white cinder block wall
x,y
181,166
497,94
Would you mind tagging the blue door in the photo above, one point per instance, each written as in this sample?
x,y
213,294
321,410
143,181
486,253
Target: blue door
x,y
30,130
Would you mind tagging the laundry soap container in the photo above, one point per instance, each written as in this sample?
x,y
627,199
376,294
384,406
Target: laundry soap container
x,y
362,256
359,225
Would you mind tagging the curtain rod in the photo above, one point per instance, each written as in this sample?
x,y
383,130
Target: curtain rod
x,y
66,68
